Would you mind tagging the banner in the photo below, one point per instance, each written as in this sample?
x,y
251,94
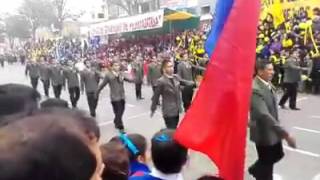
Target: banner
x,y
146,21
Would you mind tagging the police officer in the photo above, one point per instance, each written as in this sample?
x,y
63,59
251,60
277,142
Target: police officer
x,y
32,69
115,78
89,83
45,75
70,74
137,68
56,76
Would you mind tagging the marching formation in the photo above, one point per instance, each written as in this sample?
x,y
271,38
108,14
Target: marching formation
x,y
84,77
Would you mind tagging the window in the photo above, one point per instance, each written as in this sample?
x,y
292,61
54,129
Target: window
x,y
205,10
145,7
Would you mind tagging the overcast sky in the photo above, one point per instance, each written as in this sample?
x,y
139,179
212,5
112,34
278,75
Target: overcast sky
x,y
11,6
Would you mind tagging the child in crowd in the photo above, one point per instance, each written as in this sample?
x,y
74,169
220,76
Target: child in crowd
x,y
115,158
136,145
168,157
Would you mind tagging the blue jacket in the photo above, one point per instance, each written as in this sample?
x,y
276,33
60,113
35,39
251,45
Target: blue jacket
x,y
137,167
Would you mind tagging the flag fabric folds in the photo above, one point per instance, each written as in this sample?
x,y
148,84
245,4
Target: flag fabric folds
x,y
217,120
221,14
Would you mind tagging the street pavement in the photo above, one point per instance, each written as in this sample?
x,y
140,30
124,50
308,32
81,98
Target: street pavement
x,y
300,164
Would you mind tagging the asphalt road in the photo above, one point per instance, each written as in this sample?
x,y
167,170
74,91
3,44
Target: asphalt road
x,y
300,164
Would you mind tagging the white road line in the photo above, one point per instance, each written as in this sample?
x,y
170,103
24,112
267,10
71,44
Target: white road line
x,y
302,152
131,117
277,177
317,177
130,105
315,117
307,130
302,99
105,123
139,115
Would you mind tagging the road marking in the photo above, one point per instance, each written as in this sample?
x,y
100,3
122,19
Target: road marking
x,y
131,117
131,105
307,130
315,117
302,99
317,177
302,152
139,115
105,123
277,177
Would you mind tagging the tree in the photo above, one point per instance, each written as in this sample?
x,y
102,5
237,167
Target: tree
x,y
62,13
17,26
130,6
39,13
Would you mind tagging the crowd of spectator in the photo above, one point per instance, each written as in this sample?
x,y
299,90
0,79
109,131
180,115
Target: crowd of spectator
x,y
54,142
300,33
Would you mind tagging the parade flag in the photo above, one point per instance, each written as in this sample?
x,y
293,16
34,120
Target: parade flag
x,y
216,122
277,12
221,14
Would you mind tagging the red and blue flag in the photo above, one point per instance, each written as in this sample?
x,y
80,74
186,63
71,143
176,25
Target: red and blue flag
x,y
219,112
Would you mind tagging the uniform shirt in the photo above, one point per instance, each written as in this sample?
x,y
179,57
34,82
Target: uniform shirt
x,y
89,81
56,75
71,76
116,84
32,70
44,72
185,71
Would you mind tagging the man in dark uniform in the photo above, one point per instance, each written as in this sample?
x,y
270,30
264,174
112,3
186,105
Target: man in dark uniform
x,y
168,86
56,76
45,75
292,77
89,83
315,74
185,71
32,69
265,129
2,60
115,78
137,68
70,75
154,72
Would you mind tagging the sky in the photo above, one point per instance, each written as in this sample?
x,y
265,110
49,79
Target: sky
x,y
11,6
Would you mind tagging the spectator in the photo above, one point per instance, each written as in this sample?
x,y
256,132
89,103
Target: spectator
x,y
116,159
17,101
136,146
51,147
54,103
168,158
